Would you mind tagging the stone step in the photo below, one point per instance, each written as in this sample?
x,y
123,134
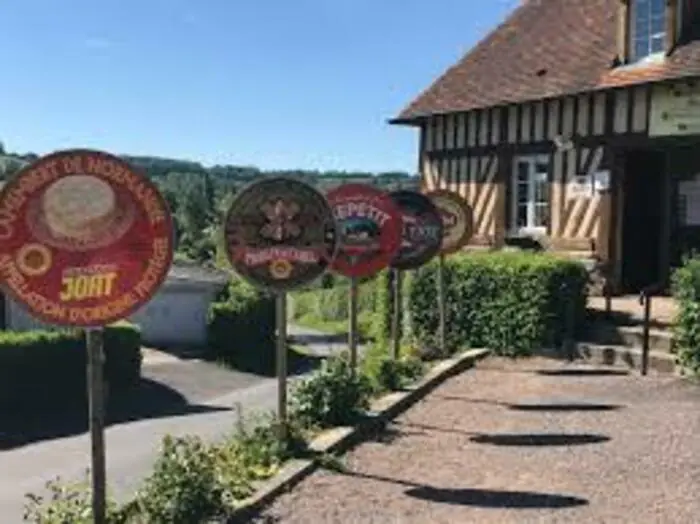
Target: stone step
x,y
621,358
631,357
631,336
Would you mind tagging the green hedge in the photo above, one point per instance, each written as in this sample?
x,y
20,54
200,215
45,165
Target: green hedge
x,y
45,369
384,306
509,302
241,328
686,330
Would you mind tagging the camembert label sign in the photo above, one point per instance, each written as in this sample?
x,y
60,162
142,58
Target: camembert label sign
x,y
280,234
85,240
370,229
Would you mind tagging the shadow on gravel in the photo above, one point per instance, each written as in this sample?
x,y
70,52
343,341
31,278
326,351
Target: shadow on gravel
x,y
484,498
539,439
583,372
148,400
487,498
552,406
574,406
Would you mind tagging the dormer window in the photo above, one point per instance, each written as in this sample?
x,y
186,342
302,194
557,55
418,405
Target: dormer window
x,y
647,29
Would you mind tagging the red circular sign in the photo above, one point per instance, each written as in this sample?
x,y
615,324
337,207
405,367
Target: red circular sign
x,y
84,239
370,229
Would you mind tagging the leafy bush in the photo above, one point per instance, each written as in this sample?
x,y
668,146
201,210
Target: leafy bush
x,y
67,503
387,374
334,395
44,369
686,330
241,328
183,486
192,481
509,302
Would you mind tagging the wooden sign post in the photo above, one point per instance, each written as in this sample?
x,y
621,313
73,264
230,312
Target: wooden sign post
x,y
352,321
442,305
370,236
280,235
95,357
396,313
420,242
458,227
93,239
281,360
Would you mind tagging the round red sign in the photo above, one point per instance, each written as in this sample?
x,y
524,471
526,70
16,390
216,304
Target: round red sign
x,y
370,229
84,239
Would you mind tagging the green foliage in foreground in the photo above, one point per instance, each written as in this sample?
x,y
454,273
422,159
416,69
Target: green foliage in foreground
x,y
686,330
194,482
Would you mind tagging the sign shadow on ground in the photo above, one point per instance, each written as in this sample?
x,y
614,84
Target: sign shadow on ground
x,y
489,498
583,372
539,439
564,407
147,400
544,406
484,498
518,439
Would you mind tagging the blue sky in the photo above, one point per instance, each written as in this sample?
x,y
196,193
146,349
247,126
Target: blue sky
x,y
273,83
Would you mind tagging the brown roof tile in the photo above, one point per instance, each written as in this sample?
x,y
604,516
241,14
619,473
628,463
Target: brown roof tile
x,y
546,48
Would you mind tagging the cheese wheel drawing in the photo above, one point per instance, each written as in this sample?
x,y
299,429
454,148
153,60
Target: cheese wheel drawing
x,y
79,207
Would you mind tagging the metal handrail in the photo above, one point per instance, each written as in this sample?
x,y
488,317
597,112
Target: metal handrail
x,y
645,298
607,288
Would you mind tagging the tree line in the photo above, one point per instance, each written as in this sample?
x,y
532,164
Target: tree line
x,y
198,195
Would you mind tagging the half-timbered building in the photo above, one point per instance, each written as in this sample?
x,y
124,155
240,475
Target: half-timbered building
x,y
576,124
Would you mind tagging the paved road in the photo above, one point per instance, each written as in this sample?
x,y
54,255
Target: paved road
x,y
178,397
527,442
319,343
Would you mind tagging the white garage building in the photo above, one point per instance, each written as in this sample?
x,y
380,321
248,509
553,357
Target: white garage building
x,y
175,316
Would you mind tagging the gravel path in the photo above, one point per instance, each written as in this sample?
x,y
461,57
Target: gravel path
x,y
535,441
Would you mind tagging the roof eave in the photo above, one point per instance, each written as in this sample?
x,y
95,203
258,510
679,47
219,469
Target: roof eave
x,y
411,121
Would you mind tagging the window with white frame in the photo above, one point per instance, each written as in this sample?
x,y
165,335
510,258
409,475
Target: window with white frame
x,y
647,28
530,195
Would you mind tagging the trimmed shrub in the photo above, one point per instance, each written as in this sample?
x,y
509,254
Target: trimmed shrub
x,y
509,302
122,342
46,369
241,329
686,329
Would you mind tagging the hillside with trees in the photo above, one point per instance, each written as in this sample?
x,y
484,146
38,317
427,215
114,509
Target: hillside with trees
x,y
199,195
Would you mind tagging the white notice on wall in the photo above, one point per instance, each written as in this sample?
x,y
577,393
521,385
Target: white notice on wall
x,y
601,181
580,187
689,193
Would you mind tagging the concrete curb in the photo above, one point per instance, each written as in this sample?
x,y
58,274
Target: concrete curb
x,y
339,440
610,355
